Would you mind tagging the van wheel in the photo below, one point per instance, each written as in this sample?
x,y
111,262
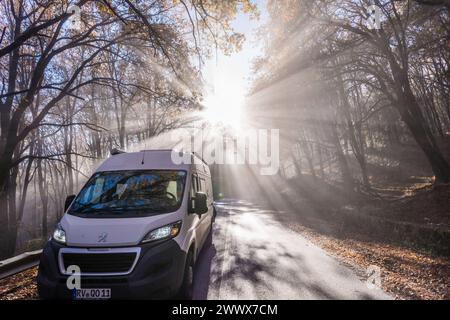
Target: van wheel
x,y
187,287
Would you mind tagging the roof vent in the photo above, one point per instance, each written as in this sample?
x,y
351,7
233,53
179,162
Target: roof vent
x,y
116,151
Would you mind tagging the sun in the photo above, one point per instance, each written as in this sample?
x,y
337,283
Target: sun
x,y
223,105
223,110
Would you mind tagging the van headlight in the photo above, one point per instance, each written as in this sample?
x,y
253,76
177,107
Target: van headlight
x,y
163,233
59,235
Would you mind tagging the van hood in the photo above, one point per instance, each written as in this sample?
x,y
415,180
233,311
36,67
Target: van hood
x,y
112,232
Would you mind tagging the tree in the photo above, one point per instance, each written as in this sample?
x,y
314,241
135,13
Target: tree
x,y
381,69
56,89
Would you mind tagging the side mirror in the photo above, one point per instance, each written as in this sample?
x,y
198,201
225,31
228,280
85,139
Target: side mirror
x,y
69,201
201,203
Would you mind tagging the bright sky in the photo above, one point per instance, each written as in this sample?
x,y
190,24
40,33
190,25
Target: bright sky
x,y
237,66
229,80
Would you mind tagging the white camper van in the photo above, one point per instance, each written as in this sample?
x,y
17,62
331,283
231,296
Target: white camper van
x,y
134,230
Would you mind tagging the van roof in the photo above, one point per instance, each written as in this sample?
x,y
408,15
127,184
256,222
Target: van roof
x,y
142,160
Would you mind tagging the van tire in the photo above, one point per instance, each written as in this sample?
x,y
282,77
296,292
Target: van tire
x,y
187,287
214,214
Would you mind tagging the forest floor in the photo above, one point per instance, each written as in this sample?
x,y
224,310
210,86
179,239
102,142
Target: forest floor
x,y
402,197
19,286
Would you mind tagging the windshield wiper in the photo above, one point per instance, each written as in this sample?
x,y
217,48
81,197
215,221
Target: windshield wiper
x,y
86,208
140,208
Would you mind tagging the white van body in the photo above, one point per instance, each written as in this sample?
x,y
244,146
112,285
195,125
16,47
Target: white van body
x,y
91,236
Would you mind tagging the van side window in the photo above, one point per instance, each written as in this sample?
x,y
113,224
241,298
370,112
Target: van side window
x,y
193,191
196,183
202,185
194,187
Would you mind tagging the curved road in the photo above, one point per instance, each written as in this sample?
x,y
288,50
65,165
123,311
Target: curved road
x,y
253,256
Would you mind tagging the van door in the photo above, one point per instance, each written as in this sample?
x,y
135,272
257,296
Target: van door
x,y
193,216
197,222
205,220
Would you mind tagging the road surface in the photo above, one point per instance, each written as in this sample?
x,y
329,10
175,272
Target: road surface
x,y
253,256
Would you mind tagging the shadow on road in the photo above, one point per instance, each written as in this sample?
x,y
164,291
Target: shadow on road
x,y
203,269
253,256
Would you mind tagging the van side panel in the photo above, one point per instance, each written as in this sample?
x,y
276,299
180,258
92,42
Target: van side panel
x,y
195,229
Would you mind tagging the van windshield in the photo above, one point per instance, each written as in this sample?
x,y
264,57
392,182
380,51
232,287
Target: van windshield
x,y
135,193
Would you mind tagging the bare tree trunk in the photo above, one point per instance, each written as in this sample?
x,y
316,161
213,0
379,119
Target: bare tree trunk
x,y
412,116
426,141
26,183
44,197
342,160
357,146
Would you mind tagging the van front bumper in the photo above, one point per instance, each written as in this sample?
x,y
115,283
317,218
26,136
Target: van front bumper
x,y
158,274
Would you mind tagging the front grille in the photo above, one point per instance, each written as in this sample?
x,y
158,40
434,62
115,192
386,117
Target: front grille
x,y
100,262
98,280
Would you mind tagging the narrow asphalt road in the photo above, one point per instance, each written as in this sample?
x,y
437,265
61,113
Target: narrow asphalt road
x,y
253,256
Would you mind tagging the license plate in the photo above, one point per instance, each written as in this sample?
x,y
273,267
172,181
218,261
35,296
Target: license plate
x,y
92,294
